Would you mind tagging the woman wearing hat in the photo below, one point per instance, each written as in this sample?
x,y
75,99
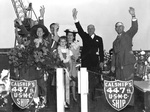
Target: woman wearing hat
x,y
39,38
39,34
74,47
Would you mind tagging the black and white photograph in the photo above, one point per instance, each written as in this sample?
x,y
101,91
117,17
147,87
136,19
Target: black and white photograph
x,y
74,56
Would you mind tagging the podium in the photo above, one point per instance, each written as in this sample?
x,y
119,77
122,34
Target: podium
x,y
142,95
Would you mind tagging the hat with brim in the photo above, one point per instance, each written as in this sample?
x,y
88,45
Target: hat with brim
x,y
70,31
33,30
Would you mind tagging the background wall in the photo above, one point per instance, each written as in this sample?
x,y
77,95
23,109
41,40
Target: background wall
x,y
102,13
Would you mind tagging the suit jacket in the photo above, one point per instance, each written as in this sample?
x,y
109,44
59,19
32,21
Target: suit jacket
x,y
92,51
123,58
122,47
53,44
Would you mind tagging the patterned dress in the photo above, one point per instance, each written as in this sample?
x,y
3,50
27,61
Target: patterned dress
x,y
65,55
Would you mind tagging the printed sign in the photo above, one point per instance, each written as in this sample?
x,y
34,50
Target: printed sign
x,y
23,92
118,93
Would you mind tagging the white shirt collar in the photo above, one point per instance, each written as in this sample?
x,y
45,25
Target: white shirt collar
x,y
92,36
119,34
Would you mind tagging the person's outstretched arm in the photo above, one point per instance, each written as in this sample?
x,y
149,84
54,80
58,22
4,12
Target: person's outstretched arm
x,y
134,27
41,18
78,26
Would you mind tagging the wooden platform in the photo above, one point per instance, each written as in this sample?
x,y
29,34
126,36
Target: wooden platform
x,y
142,95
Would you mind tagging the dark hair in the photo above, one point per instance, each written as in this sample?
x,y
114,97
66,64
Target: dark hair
x,y
73,32
34,31
53,24
62,37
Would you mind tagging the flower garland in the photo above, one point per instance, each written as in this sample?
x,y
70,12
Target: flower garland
x,y
37,54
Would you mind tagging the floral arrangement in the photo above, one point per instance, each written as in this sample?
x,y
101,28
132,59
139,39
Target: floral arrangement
x,y
107,61
28,54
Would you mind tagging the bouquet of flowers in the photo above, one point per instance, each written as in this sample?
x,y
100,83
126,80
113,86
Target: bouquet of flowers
x,y
107,61
27,54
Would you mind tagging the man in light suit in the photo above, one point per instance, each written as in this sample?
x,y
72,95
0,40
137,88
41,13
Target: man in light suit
x,y
123,59
92,55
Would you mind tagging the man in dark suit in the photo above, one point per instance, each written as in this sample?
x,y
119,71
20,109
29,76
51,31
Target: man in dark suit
x,y
123,59
51,81
92,55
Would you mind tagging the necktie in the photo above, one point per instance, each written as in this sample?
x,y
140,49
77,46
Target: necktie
x,y
53,43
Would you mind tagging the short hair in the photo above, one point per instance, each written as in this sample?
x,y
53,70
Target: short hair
x,y
119,24
53,24
62,38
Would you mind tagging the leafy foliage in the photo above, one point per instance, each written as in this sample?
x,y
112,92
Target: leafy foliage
x,y
27,54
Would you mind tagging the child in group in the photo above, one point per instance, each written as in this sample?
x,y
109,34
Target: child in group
x,y
64,52
65,56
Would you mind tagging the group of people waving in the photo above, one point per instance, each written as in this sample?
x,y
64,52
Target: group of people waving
x,y
92,55
67,48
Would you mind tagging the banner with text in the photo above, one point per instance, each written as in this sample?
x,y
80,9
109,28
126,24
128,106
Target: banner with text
x,y
23,92
118,93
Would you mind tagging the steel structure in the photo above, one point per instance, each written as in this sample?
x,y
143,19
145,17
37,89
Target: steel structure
x,y
25,14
